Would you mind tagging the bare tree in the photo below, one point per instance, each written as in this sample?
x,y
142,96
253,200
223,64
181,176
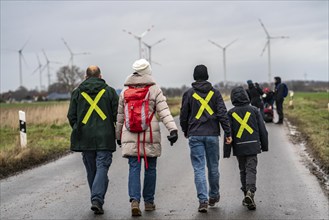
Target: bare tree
x,y
70,77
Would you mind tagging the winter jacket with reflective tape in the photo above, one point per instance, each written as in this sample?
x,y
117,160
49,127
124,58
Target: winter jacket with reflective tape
x,y
92,132
208,124
248,128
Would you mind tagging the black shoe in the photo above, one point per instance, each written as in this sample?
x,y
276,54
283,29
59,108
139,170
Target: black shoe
x,y
213,201
249,200
97,208
203,207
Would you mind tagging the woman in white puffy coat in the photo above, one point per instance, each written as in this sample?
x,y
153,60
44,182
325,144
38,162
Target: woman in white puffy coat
x,y
133,150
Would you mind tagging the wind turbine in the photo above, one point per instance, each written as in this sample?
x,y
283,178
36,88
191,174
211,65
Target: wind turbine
x,y
224,55
150,48
47,65
20,58
40,68
268,45
139,38
73,54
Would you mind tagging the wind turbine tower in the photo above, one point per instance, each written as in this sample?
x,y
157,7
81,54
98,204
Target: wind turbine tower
x,y
224,56
40,72
139,38
268,45
48,65
150,48
20,58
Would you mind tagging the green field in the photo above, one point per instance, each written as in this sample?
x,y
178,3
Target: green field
x,y
311,116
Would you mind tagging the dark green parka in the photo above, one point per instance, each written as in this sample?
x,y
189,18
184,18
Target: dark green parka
x,y
96,133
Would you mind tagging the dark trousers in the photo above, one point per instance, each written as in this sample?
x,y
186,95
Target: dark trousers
x,y
248,171
279,109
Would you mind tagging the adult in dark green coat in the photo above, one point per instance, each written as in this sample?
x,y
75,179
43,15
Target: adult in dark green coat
x,y
92,116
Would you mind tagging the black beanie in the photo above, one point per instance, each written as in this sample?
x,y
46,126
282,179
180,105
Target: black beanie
x,y
200,73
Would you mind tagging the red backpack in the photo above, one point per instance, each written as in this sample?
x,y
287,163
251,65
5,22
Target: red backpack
x,y
137,117
136,109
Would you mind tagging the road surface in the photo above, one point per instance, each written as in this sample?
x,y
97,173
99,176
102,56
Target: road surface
x,y
58,190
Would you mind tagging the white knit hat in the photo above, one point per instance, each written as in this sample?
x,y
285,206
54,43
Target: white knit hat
x,y
142,67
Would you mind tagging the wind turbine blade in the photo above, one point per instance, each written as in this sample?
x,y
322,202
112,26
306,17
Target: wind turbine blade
x,y
148,30
44,67
35,70
44,53
9,49
128,32
38,60
67,46
231,43
264,48
280,37
216,44
158,42
24,45
266,32
147,45
82,53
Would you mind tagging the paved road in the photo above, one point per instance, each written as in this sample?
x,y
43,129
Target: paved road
x,y
58,190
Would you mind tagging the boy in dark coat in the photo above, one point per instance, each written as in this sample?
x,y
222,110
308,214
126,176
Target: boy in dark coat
x,y
249,139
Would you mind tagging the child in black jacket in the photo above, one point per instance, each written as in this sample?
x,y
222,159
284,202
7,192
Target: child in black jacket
x,y
249,139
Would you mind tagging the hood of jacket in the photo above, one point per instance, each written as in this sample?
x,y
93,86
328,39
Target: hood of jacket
x,y
202,86
138,79
239,96
92,85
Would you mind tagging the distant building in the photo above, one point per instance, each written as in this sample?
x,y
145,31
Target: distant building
x,y
54,96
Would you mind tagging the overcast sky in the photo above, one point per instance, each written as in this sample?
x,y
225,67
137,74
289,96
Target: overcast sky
x,y
96,27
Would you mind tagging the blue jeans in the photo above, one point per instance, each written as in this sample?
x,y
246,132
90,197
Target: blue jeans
x,y
205,148
97,164
134,182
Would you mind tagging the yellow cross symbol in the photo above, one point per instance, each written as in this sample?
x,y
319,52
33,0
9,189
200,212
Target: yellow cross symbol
x,y
93,105
204,104
243,123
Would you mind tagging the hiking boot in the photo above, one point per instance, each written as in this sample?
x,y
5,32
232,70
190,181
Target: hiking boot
x,y
213,201
249,200
149,206
135,210
97,208
203,207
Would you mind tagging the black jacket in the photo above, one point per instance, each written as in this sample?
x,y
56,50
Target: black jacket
x,y
206,125
96,134
254,94
248,142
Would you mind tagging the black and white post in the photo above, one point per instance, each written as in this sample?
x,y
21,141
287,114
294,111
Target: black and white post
x,y
22,128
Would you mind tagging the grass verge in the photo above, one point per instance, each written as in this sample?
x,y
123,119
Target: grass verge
x,y
45,142
311,117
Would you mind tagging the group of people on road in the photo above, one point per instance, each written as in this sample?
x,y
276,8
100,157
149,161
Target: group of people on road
x,y
100,119
264,99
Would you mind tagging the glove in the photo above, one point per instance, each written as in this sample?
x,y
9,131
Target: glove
x,y
119,143
173,137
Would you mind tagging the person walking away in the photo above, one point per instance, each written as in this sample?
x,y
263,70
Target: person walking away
x,y
92,115
255,93
201,114
138,131
280,92
249,139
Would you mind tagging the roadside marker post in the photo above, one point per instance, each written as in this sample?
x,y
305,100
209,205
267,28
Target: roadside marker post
x,y
291,102
22,128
